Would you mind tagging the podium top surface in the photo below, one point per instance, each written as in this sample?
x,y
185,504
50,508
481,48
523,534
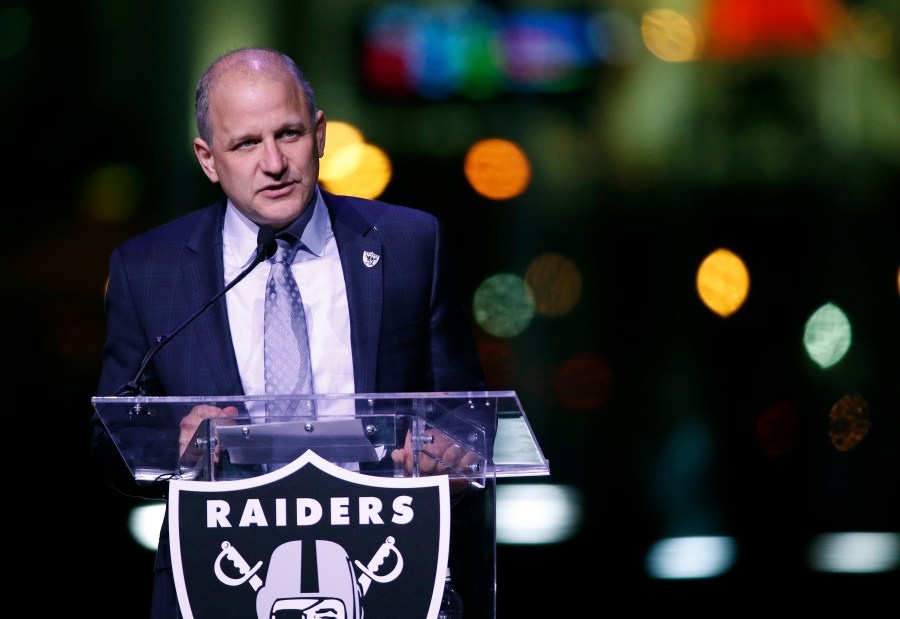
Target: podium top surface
x,y
489,423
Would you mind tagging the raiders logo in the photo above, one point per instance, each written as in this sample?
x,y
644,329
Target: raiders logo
x,y
311,539
370,258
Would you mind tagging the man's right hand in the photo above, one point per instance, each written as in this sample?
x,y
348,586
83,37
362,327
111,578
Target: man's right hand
x,y
191,421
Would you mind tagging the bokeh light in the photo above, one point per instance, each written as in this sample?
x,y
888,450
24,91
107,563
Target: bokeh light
x,y
144,523
438,51
691,557
855,552
764,28
371,171
723,282
497,169
503,305
545,50
537,513
828,336
352,166
555,281
339,161
848,422
432,52
670,36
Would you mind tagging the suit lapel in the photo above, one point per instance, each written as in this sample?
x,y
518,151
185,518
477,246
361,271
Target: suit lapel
x,y
362,263
203,276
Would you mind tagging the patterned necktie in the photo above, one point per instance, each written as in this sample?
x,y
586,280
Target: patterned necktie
x,y
286,343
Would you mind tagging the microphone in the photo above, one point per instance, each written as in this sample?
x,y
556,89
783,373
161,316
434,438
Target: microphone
x,y
265,249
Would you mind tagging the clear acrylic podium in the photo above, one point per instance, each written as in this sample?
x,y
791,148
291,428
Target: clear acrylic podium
x,y
356,430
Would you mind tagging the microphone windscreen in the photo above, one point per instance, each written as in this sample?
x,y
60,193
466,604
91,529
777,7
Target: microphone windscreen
x,y
265,241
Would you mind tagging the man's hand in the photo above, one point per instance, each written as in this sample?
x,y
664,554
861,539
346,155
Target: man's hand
x,y
191,421
438,456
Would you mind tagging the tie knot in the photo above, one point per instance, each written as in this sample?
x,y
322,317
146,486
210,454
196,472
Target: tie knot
x,y
287,247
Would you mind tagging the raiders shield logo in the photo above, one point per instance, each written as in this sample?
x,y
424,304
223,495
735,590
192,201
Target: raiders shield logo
x,y
370,258
310,540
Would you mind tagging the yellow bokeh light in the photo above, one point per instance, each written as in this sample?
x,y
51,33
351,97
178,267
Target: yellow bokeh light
x,y
723,282
497,169
343,156
371,174
555,281
898,280
670,35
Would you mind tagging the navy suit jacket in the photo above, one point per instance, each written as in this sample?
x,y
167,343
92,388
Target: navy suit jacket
x,y
409,330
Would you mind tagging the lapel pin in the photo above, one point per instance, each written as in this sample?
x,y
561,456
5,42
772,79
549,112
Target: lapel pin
x,y
370,258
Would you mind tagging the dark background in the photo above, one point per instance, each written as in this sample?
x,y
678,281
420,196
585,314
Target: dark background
x,y
789,160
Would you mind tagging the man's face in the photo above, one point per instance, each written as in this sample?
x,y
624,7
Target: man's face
x,y
266,150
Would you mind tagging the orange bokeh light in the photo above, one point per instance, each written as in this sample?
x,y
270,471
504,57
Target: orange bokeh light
x,y
497,169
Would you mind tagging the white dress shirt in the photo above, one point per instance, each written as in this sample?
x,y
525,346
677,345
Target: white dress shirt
x,y
317,269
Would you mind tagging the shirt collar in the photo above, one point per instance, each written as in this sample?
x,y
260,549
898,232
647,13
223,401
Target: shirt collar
x,y
312,226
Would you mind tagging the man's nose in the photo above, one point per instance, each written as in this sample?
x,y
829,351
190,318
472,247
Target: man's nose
x,y
273,161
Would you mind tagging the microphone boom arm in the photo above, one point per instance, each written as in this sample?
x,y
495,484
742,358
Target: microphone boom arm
x,y
265,249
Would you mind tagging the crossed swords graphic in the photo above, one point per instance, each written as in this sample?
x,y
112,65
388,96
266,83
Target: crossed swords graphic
x,y
248,574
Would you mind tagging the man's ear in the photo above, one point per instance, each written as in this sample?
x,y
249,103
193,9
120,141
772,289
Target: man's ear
x,y
320,133
207,160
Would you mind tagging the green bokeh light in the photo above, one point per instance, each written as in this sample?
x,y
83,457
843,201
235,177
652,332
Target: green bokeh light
x,y
828,335
503,305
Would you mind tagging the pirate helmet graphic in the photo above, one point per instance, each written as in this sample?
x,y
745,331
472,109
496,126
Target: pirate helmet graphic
x,y
308,580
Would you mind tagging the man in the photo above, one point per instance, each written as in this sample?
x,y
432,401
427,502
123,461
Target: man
x,y
375,279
